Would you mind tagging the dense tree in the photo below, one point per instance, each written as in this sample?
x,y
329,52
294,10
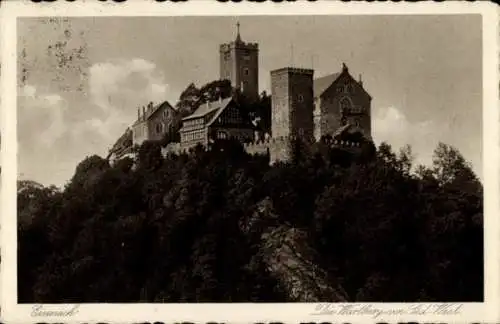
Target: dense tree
x,y
221,225
192,97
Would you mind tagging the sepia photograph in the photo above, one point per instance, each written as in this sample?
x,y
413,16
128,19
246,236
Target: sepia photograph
x,y
250,159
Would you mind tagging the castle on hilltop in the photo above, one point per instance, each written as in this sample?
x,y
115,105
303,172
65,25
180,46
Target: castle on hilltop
x,y
302,106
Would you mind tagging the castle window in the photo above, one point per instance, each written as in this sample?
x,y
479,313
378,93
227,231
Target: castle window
x,y
221,135
301,98
159,128
345,105
246,71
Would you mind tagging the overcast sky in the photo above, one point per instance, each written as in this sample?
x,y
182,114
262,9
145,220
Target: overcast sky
x,y
423,72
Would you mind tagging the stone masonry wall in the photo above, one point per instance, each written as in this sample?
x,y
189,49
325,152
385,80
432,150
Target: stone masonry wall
x,y
329,104
279,149
292,102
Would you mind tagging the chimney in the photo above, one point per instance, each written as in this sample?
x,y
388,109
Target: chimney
x,y
344,68
143,112
138,113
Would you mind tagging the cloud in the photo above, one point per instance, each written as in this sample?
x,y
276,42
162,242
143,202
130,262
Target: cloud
x,y
118,88
40,116
126,84
40,124
392,126
57,130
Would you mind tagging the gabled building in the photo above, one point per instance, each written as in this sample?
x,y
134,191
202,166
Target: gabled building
x,y
340,100
122,147
153,122
221,119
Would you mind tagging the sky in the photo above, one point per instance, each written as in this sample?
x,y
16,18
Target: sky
x,y
82,79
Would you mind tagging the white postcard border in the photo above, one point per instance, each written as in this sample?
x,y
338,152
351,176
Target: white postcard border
x,y
12,312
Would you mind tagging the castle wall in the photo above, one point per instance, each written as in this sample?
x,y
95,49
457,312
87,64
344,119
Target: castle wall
x,y
280,149
280,117
301,102
292,103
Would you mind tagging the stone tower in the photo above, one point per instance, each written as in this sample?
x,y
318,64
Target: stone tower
x,y
292,103
239,63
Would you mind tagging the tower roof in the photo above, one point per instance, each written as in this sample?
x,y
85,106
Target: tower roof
x,y
323,83
238,37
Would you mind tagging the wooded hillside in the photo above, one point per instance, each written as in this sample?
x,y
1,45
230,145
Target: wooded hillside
x,y
221,226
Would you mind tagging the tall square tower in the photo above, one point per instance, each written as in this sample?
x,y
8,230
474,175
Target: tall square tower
x,y
292,103
239,63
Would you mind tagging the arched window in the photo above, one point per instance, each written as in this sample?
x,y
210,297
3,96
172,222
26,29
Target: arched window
x,y
345,104
159,128
301,98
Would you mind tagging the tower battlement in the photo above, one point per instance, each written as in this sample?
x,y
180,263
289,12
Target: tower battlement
x,y
256,145
280,149
238,45
293,70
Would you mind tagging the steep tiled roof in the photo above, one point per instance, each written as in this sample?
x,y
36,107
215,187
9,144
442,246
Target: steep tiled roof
x,y
349,129
341,130
150,113
322,84
209,107
123,141
165,104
